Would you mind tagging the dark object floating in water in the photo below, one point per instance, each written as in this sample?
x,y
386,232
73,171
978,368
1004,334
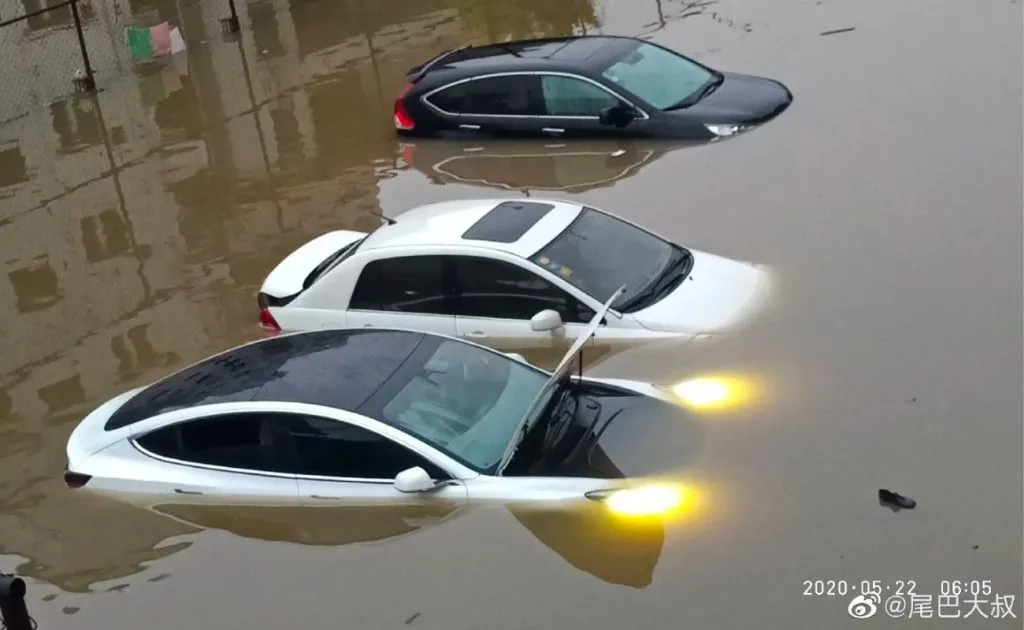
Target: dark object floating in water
x,y
839,30
894,501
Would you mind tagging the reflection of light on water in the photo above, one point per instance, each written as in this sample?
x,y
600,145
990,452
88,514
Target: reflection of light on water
x,y
664,501
645,500
714,392
702,392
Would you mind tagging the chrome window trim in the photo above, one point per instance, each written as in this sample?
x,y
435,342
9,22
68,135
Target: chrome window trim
x,y
224,469
417,448
425,99
405,313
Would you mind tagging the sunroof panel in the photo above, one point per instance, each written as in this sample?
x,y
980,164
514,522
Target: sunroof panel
x,y
507,221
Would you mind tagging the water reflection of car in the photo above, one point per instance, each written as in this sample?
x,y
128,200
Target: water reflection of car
x,y
617,550
519,165
512,274
588,86
385,416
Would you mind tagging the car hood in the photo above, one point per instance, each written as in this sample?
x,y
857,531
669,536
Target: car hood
x,y
743,99
638,433
719,293
645,437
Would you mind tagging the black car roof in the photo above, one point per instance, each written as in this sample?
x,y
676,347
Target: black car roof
x,y
568,53
336,368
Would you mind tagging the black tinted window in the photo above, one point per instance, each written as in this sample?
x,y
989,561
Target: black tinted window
x,y
335,449
508,95
566,96
491,288
414,284
247,441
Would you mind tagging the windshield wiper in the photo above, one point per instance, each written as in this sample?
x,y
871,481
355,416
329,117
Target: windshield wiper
x,y
657,289
518,457
561,414
709,86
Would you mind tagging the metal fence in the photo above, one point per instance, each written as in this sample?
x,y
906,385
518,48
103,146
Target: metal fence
x,y
50,49
44,53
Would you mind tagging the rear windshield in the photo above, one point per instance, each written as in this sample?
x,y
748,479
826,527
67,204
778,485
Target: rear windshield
x,y
331,262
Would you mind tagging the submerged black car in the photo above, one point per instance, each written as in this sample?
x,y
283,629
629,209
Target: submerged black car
x,y
591,86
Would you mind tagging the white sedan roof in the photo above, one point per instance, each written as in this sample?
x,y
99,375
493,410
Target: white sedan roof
x,y
447,222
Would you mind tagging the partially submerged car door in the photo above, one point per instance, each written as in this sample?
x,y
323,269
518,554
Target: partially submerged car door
x,y
498,105
578,107
495,301
214,456
341,463
412,292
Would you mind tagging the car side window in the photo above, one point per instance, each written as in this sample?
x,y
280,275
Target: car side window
x,y
329,448
510,95
568,96
247,441
496,289
411,284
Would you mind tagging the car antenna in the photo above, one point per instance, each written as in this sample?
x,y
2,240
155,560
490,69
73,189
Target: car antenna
x,y
509,50
579,368
386,219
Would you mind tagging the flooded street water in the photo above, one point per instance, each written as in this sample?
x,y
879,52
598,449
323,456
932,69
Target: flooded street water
x,y
137,227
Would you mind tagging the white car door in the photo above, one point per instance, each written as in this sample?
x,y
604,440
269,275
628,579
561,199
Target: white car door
x,y
495,301
223,456
339,463
403,292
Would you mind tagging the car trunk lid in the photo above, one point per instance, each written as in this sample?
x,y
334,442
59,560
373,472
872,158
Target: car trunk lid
x,y
301,268
90,437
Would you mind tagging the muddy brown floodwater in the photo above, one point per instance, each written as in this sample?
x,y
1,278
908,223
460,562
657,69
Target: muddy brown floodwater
x,y
887,201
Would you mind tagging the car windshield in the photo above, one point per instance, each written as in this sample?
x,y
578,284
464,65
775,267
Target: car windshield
x,y
467,402
599,253
659,76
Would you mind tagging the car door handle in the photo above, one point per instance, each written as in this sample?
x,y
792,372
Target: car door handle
x,y
320,496
476,334
470,127
553,130
367,325
192,492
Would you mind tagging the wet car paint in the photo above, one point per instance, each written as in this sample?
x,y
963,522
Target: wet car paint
x,y
894,352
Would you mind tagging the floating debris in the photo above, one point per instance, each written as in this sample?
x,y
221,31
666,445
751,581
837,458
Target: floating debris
x,y
839,30
895,501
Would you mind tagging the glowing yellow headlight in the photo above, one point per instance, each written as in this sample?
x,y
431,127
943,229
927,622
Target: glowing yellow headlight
x,y
702,392
644,501
714,392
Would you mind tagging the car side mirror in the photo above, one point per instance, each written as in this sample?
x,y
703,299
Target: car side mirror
x,y
617,116
414,480
546,320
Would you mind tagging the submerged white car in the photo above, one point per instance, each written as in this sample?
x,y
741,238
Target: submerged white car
x,y
511,275
382,416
